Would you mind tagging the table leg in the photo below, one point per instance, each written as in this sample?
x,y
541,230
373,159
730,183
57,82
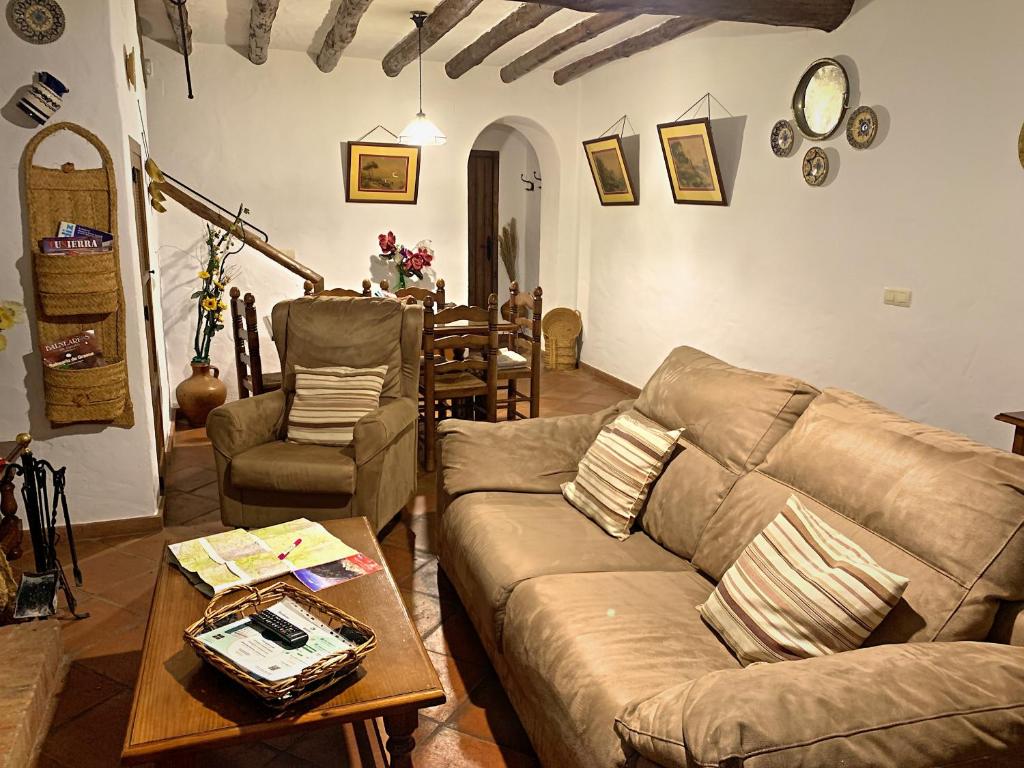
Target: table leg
x,y
1018,440
401,743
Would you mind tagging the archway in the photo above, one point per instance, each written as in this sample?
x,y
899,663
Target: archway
x,y
506,148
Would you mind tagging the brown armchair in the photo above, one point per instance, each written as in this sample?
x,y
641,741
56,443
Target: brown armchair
x,y
264,479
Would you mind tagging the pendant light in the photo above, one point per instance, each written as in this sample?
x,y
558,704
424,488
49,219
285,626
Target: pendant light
x,y
421,131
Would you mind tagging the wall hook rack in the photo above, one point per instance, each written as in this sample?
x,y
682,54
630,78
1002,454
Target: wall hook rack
x,y
539,180
530,186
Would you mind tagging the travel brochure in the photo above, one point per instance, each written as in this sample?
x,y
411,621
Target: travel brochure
x,y
235,558
80,350
249,648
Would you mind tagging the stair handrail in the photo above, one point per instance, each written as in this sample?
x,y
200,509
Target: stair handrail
x,y
163,185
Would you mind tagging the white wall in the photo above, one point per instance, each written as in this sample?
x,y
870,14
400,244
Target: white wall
x,y
789,278
272,136
111,471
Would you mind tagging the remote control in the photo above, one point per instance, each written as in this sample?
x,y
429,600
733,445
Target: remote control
x,y
283,631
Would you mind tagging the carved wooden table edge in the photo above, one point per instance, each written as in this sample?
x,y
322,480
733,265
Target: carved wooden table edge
x,y
400,722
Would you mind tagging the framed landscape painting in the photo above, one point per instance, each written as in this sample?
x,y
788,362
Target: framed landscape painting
x,y
691,162
611,173
382,173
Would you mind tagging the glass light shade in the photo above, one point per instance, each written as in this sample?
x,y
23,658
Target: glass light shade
x,y
422,132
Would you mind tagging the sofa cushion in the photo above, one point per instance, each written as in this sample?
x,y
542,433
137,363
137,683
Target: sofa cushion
x,y
329,401
798,590
935,507
490,542
732,417
306,334
583,645
295,468
616,472
912,705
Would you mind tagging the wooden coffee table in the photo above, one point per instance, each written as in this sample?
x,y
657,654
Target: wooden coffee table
x,y
182,706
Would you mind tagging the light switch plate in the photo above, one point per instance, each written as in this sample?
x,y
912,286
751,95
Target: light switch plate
x,y
897,297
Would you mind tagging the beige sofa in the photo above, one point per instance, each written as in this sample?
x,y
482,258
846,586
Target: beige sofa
x,y
598,641
265,480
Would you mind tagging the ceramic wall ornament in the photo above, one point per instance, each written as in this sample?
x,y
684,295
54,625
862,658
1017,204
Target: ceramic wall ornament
x,y
783,138
862,128
1020,147
815,167
820,99
44,98
36,21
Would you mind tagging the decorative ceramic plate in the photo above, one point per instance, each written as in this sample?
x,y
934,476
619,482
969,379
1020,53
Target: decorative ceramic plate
x,y
782,138
36,21
1020,146
862,127
815,166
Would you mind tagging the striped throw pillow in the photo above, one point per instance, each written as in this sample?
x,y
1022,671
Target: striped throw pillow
x,y
329,401
800,589
618,470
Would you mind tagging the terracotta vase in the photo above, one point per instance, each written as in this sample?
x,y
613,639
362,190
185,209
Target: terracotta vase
x,y
200,393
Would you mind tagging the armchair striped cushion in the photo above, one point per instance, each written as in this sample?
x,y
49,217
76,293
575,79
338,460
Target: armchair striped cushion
x,y
329,401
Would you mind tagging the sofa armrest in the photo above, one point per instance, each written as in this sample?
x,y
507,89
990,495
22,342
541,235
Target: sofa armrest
x,y
381,427
911,705
529,456
243,424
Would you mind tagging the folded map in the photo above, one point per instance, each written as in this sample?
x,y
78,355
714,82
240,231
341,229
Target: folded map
x,y
236,558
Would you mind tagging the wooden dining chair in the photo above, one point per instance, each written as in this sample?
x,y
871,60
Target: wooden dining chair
x,y
366,291
420,294
248,363
465,380
524,337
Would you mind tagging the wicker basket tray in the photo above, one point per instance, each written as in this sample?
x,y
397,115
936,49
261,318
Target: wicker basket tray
x,y
561,327
244,601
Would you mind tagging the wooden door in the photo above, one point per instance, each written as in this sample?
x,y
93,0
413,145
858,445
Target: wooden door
x,y
483,225
146,273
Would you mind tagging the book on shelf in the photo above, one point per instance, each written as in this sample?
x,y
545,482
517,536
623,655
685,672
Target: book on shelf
x,y
72,245
80,350
70,229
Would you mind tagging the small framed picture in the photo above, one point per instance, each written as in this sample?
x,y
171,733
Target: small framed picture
x,y
691,162
382,173
612,178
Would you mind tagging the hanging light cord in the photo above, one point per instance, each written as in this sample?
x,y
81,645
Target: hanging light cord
x,y
418,18
184,43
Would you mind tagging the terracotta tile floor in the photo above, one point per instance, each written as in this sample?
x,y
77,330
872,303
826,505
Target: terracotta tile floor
x,y
475,727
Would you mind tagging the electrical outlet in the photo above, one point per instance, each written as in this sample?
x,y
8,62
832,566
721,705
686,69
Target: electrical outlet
x,y
897,297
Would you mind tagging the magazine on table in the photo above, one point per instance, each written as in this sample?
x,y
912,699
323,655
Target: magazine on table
x,y
248,647
236,558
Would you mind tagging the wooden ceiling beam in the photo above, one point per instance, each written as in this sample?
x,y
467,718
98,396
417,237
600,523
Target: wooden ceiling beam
x,y
652,38
261,19
818,14
587,29
341,33
523,19
440,22
175,19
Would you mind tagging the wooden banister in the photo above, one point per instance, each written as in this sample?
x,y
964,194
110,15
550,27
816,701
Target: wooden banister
x,y
204,211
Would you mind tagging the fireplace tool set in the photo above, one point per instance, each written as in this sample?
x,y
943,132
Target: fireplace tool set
x,y
43,494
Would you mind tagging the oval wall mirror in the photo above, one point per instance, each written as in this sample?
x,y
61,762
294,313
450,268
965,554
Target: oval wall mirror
x,y
820,99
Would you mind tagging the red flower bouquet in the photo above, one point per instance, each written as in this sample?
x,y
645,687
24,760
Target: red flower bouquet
x,y
408,262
